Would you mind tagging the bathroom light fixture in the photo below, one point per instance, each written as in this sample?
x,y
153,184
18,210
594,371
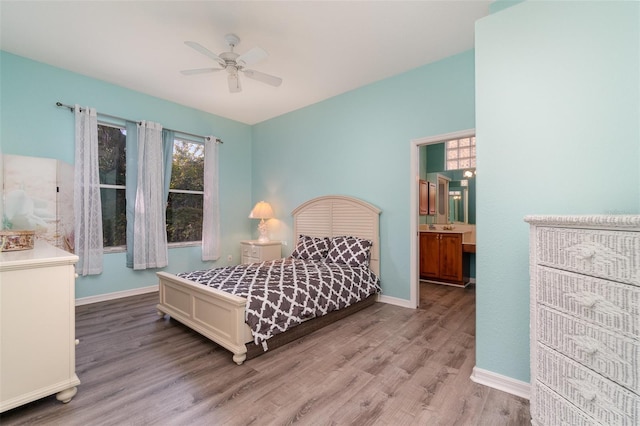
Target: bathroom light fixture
x,y
262,211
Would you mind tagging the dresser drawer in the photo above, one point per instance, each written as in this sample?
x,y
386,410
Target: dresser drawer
x,y
551,409
249,250
613,255
608,353
606,303
602,399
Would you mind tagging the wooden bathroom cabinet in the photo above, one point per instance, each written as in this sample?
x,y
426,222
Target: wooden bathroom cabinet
x,y
441,257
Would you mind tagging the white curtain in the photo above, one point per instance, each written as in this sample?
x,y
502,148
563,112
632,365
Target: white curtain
x,y
210,208
86,194
150,236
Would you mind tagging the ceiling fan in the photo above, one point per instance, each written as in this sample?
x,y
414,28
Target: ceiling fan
x,y
234,63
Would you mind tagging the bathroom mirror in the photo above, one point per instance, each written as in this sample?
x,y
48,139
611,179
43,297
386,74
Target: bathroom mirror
x,y
458,204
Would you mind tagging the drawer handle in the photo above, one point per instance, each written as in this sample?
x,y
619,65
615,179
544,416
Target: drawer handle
x,y
584,389
586,344
588,395
586,254
588,300
589,250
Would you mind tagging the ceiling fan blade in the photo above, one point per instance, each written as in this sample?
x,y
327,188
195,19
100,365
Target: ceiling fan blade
x,y
252,56
265,78
200,48
200,71
234,83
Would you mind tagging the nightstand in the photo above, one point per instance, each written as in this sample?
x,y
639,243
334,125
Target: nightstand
x,y
255,251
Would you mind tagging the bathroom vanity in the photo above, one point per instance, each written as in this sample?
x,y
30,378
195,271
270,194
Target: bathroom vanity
x,y
442,255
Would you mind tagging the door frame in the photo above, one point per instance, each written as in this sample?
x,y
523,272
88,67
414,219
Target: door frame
x,y
414,217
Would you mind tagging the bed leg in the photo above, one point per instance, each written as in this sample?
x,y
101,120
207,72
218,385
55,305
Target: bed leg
x,y
66,395
159,312
239,358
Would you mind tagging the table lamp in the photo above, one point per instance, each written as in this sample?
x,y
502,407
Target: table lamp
x,y
262,211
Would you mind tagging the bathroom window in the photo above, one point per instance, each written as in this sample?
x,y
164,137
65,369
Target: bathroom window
x,y
461,153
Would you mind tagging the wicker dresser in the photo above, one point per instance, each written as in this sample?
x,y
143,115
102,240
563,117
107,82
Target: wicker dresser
x,y
585,322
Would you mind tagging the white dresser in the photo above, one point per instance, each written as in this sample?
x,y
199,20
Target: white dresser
x,y
585,320
254,251
37,325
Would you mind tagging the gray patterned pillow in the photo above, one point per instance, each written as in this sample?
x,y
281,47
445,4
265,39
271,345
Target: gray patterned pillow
x,y
311,248
352,251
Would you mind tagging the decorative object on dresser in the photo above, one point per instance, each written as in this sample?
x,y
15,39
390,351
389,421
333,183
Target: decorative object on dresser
x,y
37,325
254,251
262,211
17,239
350,225
38,195
585,319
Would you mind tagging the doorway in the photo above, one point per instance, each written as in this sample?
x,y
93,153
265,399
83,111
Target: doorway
x,y
414,279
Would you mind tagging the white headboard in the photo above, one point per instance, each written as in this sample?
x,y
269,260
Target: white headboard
x,y
335,215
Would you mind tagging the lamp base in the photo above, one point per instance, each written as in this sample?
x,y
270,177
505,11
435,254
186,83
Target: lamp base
x,y
262,228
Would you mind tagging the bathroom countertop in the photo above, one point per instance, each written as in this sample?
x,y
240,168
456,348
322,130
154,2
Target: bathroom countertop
x,y
447,231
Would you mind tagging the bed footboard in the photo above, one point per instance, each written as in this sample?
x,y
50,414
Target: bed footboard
x,y
212,313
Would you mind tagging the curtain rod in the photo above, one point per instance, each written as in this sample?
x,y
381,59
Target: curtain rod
x,y
71,108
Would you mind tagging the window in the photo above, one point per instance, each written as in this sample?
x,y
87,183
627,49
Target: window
x,y
461,153
112,170
186,191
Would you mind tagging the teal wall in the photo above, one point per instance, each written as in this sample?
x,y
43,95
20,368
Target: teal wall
x,y
358,144
31,125
557,110
435,157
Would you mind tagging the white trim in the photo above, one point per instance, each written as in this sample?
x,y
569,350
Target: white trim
x,y
186,191
116,295
404,303
414,166
500,382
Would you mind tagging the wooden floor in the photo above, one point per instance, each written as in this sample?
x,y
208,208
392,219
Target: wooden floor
x,y
385,365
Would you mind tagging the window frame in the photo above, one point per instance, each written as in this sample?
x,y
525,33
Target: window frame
x,y
120,248
196,243
123,248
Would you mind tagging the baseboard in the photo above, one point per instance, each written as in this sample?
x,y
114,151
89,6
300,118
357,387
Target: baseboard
x,y
500,382
116,295
396,301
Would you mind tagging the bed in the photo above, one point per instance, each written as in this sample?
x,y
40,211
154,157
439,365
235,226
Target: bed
x,y
221,316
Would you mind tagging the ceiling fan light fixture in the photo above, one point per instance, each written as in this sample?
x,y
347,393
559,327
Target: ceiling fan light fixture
x,y
234,83
233,62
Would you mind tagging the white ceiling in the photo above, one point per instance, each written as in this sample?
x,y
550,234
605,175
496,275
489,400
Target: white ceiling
x,y
320,49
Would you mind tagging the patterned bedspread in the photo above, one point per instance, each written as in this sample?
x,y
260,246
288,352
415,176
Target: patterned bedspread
x,y
285,292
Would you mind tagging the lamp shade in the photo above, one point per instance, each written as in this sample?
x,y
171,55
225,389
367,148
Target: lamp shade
x,y
261,210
